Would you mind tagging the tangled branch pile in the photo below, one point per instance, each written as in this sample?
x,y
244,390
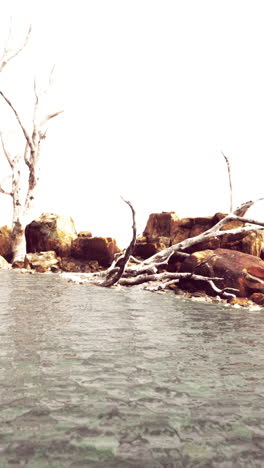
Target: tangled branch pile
x,y
129,271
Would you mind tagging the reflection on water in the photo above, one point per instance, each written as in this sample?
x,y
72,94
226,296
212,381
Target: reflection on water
x,y
109,378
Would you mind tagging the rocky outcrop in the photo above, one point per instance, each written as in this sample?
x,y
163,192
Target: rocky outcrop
x,y
51,232
42,261
168,226
239,270
102,249
5,243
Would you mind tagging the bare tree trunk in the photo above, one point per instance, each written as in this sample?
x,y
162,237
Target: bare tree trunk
x,y
22,206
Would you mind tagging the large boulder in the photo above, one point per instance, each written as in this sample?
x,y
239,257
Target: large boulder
x,y
102,249
6,243
239,270
51,232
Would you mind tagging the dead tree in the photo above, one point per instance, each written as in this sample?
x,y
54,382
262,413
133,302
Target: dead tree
x,y
29,156
153,269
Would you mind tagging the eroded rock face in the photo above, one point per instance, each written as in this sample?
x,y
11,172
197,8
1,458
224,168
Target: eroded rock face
x,y
101,249
239,270
5,243
42,261
51,232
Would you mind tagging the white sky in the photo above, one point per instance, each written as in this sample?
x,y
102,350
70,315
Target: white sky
x,y
152,92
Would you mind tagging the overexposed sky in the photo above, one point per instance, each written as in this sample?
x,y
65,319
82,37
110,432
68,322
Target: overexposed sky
x,y
152,91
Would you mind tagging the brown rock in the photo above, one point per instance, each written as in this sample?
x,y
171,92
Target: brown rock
x,y
238,270
71,264
160,224
146,247
241,301
18,264
249,242
258,298
5,243
85,234
102,249
41,261
177,230
51,232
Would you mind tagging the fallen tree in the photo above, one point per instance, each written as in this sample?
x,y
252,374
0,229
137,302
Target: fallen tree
x,y
128,271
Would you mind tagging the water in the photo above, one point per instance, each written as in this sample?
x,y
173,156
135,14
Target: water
x,y
92,377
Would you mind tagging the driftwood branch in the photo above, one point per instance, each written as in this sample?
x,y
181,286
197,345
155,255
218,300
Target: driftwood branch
x,y
116,271
215,231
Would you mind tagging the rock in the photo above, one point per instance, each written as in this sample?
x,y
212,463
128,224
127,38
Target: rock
x,y
249,242
51,232
160,224
102,249
146,247
6,243
18,264
70,264
190,227
85,234
4,265
240,301
258,298
239,270
41,261
177,230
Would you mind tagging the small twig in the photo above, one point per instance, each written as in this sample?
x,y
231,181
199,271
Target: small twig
x,y
8,54
230,180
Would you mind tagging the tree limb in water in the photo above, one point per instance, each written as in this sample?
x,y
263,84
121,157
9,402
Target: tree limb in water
x,y
117,269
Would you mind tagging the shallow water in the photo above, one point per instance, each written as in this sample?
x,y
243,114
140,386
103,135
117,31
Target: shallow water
x,y
109,378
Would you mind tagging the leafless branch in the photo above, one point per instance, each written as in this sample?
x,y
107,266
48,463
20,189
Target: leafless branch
x,y
116,271
230,180
50,116
9,54
29,141
6,152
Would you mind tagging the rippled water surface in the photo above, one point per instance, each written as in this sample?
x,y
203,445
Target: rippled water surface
x,y
109,378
